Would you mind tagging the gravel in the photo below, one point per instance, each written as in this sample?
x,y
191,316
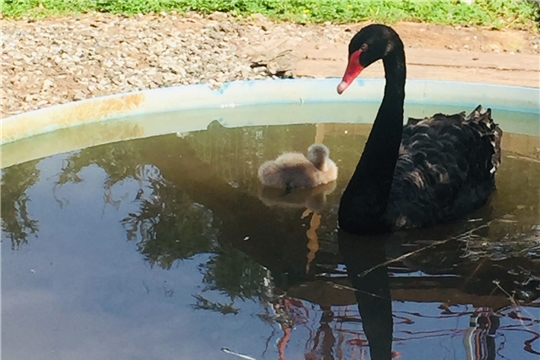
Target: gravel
x,y
55,61
58,60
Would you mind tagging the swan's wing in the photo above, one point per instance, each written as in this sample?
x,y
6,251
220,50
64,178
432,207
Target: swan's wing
x,y
413,121
445,169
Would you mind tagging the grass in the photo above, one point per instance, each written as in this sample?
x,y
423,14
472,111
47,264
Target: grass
x,y
487,13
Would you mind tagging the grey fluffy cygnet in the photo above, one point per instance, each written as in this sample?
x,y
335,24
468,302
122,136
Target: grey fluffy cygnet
x,y
295,170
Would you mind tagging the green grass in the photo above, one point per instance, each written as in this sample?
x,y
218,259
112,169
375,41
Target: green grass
x,y
488,13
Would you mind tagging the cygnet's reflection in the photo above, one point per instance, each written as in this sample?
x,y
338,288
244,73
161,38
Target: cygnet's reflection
x,y
363,257
313,199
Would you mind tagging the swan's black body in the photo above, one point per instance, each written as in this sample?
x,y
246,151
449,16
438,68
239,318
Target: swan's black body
x,y
431,170
446,169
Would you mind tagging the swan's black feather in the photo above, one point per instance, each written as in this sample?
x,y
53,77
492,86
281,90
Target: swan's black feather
x,y
445,169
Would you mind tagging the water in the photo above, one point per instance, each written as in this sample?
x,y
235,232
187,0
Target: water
x,y
165,247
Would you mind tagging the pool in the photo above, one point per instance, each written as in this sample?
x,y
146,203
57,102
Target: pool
x,y
148,236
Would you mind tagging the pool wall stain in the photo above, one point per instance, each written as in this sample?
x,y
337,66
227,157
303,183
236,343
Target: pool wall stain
x,y
69,115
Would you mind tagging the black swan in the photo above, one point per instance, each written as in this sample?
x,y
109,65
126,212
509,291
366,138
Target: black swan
x,y
294,170
430,171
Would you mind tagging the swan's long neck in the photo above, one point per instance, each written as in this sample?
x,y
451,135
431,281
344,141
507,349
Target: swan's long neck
x,y
365,199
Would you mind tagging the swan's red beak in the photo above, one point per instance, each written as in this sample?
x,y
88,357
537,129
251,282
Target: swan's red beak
x,y
353,70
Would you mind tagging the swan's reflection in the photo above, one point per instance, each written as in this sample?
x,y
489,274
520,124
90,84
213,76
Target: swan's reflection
x,y
363,257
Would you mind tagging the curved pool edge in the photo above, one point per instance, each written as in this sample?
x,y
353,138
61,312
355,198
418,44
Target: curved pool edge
x,y
251,92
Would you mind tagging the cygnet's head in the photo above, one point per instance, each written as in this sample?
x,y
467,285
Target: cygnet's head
x,y
317,154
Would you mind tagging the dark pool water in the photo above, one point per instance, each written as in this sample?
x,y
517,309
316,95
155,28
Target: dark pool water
x,y
166,248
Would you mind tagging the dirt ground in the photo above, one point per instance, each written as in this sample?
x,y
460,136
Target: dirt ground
x,y
437,52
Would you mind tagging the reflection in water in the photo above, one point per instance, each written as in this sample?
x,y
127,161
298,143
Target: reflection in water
x,y
313,200
233,273
16,221
363,257
162,236
479,339
270,259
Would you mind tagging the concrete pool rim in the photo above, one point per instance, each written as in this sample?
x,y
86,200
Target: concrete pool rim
x,y
258,92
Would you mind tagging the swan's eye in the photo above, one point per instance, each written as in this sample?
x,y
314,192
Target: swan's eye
x,y
364,47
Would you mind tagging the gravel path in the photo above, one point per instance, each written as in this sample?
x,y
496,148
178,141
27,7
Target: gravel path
x,y
55,61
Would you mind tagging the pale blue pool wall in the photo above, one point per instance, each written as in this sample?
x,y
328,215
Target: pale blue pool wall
x,y
255,92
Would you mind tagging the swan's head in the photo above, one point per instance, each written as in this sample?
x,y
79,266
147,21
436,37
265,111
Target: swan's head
x,y
370,44
317,154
